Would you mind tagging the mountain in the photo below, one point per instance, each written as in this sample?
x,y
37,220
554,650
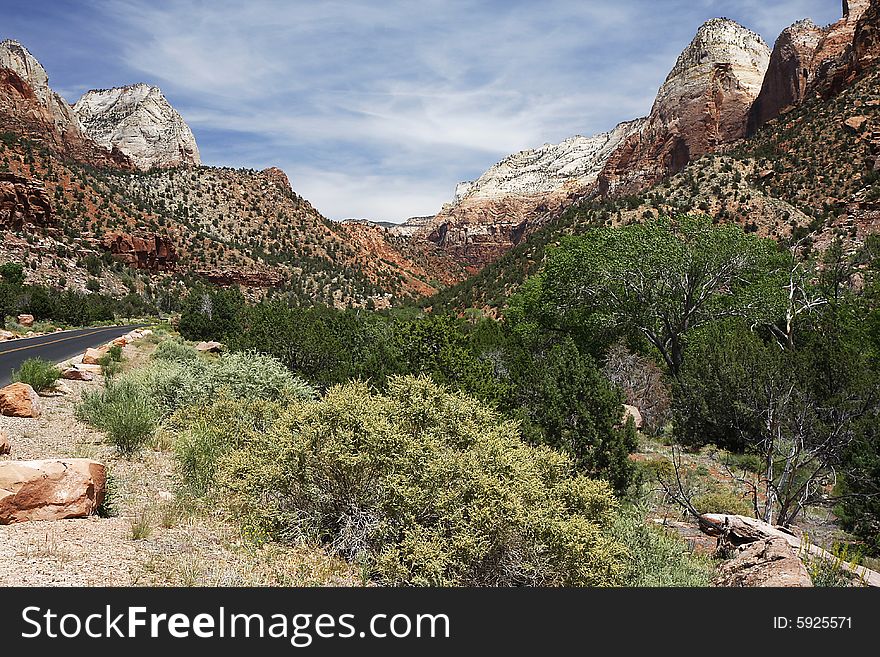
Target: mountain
x,y
807,177
140,122
73,209
701,106
808,60
30,108
491,214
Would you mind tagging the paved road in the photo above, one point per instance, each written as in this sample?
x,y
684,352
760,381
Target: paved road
x,y
55,347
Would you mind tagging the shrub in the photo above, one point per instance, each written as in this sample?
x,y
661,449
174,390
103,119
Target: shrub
x,y
110,367
174,350
115,353
202,434
39,374
421,486
722,500
656,556
109,507
155,392
123,412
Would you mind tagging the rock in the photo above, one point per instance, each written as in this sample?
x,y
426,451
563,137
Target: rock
x,y
150,251
630,411
738,530
856,123
4,444
93,356
50,489
278,178
7,335
788,73
19,400
141,123
209,347
30,108
120,342
767,562
490,215
76,374
164,496
703,104
23,201
90,369
26,320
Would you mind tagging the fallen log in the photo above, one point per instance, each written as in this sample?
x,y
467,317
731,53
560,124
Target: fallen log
x,y
740,530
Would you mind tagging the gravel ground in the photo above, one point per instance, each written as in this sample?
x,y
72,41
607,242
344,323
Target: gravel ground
x,y
183,546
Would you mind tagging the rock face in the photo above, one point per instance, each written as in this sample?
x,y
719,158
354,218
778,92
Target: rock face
x,y
23,201
832,59
702,105
30,108
50,489
788,74
151,252
140,122
4,444
19,400
811,61
492,214
16,57
768,562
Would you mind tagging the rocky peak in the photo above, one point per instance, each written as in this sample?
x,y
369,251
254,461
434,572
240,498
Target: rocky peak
x,y
491,214
810,61
15,57
278,178
141,123
788,74
726,42
702,105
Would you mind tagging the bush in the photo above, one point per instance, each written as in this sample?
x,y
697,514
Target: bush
x,y
110,367
175,351
421,486
39,374
123,412
722,500
158,390
656,556
204,433
115,353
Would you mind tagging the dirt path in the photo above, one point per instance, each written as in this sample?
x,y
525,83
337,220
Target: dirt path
x,y
184,546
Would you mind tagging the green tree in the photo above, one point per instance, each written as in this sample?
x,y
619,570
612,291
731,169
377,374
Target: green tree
x,y
564,401
660,279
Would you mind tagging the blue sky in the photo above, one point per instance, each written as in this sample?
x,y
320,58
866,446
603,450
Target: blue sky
x,y
377,109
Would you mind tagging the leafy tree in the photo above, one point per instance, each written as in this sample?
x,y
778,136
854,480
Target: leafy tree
x,y
661,279
564,401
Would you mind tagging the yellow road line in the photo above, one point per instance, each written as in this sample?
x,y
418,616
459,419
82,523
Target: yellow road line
x,y
72,337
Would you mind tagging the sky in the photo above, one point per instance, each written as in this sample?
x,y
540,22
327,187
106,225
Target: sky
x,y
377,109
